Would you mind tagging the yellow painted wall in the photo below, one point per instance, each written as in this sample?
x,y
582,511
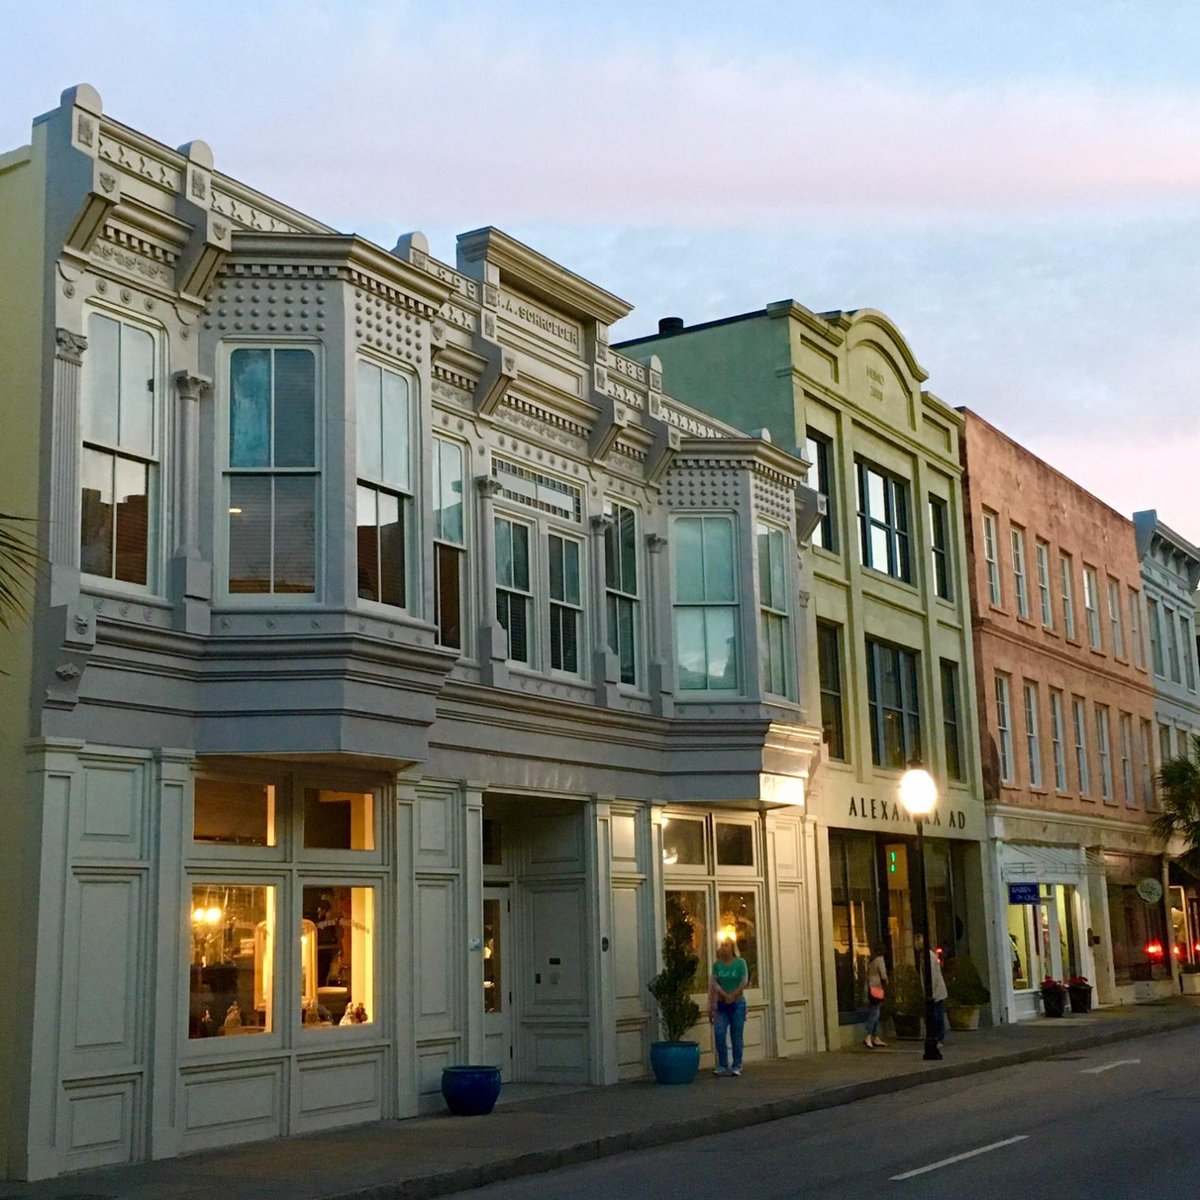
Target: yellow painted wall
x,y
22,209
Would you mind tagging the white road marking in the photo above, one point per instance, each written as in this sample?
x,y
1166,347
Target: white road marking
x,y
1121,1062
945,1162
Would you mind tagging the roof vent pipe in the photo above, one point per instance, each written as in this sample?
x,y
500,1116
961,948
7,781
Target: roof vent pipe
x,y
667,326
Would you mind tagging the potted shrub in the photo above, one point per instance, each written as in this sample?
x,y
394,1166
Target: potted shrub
x,y
905,1001
1054,997
966,993
676,1060
1080,993
1189,978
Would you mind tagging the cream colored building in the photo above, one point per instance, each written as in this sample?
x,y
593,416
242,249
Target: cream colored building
x,y
889,612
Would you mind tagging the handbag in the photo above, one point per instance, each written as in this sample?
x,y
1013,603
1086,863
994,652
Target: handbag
x,y
876,993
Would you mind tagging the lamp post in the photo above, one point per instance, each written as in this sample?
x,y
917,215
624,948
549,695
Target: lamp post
x,y
918,794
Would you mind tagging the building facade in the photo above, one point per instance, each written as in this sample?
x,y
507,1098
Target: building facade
x,y
401,652
889,613
1170,574
1067,714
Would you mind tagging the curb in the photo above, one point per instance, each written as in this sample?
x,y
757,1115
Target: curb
x,y
539,1162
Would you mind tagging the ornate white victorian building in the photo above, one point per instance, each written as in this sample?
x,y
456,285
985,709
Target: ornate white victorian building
x,y
401,651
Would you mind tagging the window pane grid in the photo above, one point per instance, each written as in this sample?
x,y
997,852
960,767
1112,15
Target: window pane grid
x,y
1056,737
951,720
940,548
1004,728
1020,579
1033,748
991,559
893,704
1042,552
621,588
883,522
1079,720
829,664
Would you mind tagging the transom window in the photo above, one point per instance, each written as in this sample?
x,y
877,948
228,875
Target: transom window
x,y
384,483
272,475
706,605
883,522
119,464
621,595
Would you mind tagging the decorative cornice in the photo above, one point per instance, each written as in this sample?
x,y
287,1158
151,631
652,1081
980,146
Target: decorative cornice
x,y
541,277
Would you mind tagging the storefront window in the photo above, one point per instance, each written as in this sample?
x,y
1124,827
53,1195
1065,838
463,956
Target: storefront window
x,y
1019,949
691,903
683,842
856,910
234,812
739,920
1137,917
336,956
230,972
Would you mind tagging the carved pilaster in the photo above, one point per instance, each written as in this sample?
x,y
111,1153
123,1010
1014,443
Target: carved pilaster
x,y
65,435
191,575
493,640
192,389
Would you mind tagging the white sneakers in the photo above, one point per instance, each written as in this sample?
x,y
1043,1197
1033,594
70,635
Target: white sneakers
x,y
727,1071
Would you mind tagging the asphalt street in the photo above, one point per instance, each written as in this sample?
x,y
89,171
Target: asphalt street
x,y
1119,1122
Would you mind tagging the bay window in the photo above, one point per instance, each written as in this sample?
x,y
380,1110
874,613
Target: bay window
x,y
773,640
706,605
119,419
272,474
384,418
449,542
621,588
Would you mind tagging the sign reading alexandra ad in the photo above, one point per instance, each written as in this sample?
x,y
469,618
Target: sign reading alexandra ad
x,y
867,809
1023,893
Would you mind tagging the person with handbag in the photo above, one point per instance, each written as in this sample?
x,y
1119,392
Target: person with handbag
x,y
877,978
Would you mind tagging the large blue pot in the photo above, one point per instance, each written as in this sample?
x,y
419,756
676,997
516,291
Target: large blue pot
x,y
675,1062
470,1091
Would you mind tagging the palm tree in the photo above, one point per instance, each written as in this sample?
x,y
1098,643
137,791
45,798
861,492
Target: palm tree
x,y
18,567
1179,793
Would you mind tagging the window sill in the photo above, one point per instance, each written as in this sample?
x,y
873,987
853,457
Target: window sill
x,y
127,593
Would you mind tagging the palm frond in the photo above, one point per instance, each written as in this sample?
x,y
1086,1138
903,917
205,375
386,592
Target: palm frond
x,y
19,559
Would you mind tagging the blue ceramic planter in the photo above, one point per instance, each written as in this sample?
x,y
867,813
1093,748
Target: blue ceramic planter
x,y
470,1091
675,1062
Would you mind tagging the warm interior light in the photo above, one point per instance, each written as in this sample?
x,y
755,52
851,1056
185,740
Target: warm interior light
x,y
727,934
236,511
918,792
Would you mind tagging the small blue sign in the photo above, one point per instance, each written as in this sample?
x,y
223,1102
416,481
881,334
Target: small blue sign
x,y
1023,893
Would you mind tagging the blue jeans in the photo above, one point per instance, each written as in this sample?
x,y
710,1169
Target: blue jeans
x,y
939,1020
874,1014
729,1019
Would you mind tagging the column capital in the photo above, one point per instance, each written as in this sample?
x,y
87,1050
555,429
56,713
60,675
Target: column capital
x,y
69,346
192,387
488,487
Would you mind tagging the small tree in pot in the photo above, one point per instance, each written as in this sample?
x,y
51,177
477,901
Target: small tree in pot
x,y
905,1001
675,1060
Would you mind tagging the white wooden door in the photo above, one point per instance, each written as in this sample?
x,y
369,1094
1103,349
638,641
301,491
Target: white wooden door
x,y
498,950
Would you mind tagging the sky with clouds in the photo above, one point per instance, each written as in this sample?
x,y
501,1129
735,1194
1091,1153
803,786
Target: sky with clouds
x,y
1016,184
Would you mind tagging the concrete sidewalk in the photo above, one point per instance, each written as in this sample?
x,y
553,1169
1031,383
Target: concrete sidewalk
x,y
436,1155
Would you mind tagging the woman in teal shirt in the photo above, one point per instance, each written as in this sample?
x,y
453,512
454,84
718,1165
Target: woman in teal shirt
x,y
727,1005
